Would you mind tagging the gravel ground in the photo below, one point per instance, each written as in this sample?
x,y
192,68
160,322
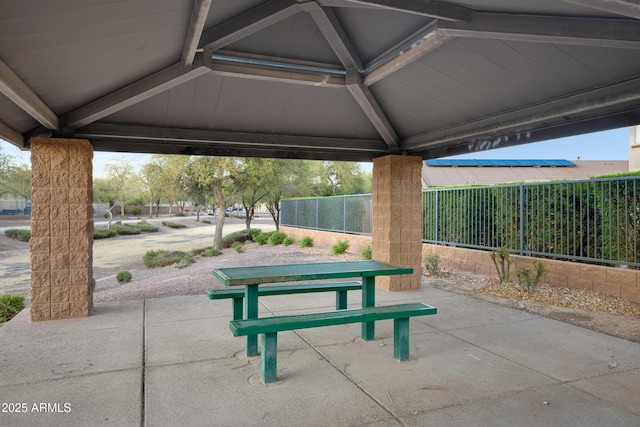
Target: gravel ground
x,y
614,316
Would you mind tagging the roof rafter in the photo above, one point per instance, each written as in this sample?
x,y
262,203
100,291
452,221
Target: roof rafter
x,y
194,32
600,32
247,23
432,9
620,93
10,135
132,94
620,7
19,93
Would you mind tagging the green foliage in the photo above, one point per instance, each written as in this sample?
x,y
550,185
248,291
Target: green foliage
x,y
10,305
181,214
306,242
123,276
144,226
525,279
103,233
185,261
432,263
237,246
172,224
261,238
287,241
502,261
106,215
276,238
162,258
239,236
365,253
136,211
340,247
206,252
206,221
125,230
18,234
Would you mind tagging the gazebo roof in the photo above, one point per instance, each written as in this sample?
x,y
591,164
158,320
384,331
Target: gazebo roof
x,y
327,79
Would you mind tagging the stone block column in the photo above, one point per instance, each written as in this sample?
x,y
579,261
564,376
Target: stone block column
x,y
397,218
61,241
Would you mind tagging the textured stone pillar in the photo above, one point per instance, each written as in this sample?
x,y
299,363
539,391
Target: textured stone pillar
x,y
634,148
61,241
397,218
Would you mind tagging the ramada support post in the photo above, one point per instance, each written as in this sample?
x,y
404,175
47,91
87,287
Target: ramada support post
x,y
61,241
397,214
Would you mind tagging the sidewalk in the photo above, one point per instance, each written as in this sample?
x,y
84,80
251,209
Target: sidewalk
x,y
173,361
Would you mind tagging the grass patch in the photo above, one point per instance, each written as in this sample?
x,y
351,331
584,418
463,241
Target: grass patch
x,y
340,247
365,253
103,233
306,242
18,234
162,258
172,224
10,305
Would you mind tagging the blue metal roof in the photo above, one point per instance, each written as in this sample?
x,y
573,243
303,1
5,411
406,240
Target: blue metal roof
x,y
532,163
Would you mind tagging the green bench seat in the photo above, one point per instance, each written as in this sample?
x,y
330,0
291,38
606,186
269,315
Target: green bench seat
x,y
270,326
237,294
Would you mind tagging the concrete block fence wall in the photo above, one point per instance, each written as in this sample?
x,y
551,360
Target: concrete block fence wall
x,y
613,281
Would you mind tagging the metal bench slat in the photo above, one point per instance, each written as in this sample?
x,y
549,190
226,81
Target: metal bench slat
x,y
330,318
286,289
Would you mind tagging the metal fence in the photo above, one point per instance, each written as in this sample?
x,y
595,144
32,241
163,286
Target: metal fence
x,y
594,220
344,214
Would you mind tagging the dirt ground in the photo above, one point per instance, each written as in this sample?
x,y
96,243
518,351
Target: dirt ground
x,y
125,252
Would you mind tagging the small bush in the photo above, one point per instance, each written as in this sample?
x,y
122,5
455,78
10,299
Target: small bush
x,y
185,261
261,238
502,261
340,247
276,238
172,224
162,258
211,252
136,211
239,236
18,234
146,227
125,230
237,246
10,305
106,215
306,242
181,214
103,233
206,221
366,252
123,276
528,282
287,241
432,263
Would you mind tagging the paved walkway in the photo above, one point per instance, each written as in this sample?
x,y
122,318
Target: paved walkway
x,y
173,361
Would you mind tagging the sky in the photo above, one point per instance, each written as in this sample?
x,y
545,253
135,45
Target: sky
x,y
606,145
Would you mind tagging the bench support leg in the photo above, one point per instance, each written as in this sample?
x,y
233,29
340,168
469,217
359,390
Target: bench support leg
x,y
269,352
341,300
401,339
251,311
237,308
368,300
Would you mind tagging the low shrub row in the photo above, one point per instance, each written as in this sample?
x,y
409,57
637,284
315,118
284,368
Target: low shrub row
x,y
18,234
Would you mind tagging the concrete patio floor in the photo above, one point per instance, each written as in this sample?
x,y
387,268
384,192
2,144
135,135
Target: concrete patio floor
x,y
173,361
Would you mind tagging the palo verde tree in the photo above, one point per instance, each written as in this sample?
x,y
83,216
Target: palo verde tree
x,y
286,178
253,184
15,180
124,183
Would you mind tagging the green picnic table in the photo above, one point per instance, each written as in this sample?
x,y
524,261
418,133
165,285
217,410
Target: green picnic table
x,y
252,277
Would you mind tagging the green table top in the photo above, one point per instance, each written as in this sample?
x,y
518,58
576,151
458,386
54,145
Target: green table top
x,y
256,275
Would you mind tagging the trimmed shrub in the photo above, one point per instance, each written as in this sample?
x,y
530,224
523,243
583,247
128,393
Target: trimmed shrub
x,y
172,224
340,247
123,276
239,236
306,242
10,305
18,234
146,227
136,211
181,214
125,230
103,233
162,258
261,238
276,238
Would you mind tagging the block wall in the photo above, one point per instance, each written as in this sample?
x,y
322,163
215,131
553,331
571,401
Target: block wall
x,y
61,241
397,218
